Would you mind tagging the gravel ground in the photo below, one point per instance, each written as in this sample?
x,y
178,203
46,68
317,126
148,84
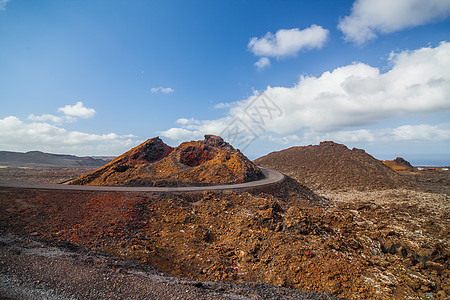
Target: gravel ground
x,y
37,269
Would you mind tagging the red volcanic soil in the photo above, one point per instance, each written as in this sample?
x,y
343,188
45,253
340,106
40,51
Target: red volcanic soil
x,y
358,244
153,163
230,236
374,244
283,235
332,166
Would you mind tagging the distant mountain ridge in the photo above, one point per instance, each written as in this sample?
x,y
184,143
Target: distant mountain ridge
x,y
40,159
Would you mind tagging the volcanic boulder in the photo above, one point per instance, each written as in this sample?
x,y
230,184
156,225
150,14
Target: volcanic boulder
x,y
332,166
153,163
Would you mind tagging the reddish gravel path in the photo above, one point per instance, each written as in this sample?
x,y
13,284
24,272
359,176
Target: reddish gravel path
x,y
34,269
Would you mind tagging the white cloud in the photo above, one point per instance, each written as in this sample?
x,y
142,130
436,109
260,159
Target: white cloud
x,y
194,129
347,98
224,105
182,134
162,90
288,42
405,133
70,114
262,63
423,132
77,110
16,135
285,140
371,17
3,4
46,117
187,122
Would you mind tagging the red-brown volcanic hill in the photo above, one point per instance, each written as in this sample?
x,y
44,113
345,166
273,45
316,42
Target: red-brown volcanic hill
x,y
153,163
331,166
399,164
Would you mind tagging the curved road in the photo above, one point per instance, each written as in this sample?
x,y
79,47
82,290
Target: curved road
x,y
270,178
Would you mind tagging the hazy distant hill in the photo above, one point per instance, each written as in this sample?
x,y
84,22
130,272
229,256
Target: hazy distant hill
x,y
40,159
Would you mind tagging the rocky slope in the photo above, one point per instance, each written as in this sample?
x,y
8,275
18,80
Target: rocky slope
x,y
389,244
154,163
332,166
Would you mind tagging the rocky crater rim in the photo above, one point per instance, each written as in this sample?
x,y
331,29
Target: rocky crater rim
x,y
153,163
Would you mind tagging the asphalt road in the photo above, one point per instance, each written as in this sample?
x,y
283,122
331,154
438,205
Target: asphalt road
x,y
271,177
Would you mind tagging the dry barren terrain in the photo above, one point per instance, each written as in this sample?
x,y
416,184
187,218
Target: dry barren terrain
x,y
375,243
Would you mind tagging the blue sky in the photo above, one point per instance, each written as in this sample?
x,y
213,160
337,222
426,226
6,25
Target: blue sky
x,y
98,77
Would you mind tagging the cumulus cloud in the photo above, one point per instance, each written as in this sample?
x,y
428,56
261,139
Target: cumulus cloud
x,y
350,97
194,129
187,122
224,105
78,110
262,63
46,133
405,133
162,90
45,118
288,42
3,4
182,134
371,17
70,113
16,135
